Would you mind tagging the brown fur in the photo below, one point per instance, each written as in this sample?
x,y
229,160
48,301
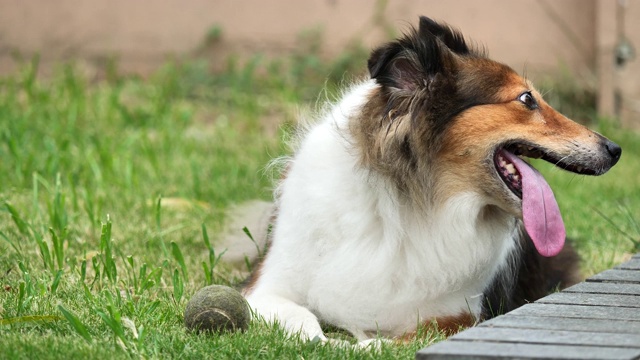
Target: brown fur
x,y
451,325
465,159
448,325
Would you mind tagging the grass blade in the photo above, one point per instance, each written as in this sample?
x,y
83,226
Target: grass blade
x,y
56,282
76,324
177,254
17,219
207,274
178,286
255,243
158,213
58,211
158,216
45,253
205,236
13,245
108,259
618,228
58,248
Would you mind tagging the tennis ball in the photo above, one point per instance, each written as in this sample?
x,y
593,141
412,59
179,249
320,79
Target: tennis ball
x,y
217,308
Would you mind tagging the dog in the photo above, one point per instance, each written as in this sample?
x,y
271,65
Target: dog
x,y
409,203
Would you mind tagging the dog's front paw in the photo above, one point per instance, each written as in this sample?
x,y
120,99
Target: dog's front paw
x,y
373,344
307,328
295,319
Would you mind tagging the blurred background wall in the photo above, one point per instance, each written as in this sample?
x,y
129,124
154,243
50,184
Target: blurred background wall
x,y
592,41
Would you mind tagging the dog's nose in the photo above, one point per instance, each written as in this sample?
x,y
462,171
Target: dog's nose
x,y
614,150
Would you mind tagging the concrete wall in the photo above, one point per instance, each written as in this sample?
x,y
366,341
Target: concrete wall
x,y
144,33
628,77
536,34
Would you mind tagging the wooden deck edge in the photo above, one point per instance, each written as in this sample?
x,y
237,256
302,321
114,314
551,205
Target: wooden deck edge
x,y
596,319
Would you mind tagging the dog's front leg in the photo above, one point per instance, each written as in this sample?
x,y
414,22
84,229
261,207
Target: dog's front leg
x,y
295,319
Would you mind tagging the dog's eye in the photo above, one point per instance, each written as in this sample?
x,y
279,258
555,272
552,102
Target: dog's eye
x,y
528,100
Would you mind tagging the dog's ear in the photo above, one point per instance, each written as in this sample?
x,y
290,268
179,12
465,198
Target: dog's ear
x,y
394,67
420,57
451,38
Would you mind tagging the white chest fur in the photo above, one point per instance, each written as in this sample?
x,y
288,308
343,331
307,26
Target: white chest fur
x,y
349,249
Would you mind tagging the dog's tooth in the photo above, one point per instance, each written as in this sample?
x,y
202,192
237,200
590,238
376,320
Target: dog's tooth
x,y
510,168
579,168
529,148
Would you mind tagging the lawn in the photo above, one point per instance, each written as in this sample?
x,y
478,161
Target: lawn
x,y
113,193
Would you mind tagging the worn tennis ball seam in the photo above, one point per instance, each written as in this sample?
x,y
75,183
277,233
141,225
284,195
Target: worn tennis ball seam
x,y
219,311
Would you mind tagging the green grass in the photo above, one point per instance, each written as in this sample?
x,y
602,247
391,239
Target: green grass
x,y
111,190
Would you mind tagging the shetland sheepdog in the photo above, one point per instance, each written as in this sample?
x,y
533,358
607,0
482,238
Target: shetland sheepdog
x,y
409,202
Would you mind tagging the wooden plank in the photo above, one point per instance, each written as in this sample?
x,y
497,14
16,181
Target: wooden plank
x,y
633,264
577,311
604,326
619,276
604,288
631,301
491,350
540,336
597,319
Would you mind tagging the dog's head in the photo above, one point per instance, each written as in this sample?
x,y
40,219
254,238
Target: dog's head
x,y
445,119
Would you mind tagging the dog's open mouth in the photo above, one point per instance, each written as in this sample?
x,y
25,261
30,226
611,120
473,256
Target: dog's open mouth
x,y
512,177
508,173
534,152
540,211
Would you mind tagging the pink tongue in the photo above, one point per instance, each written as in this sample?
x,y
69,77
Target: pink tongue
x,y
540,211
